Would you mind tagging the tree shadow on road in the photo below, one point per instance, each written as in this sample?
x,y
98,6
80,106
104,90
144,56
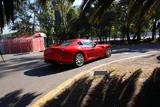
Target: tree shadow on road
x,y
54,69
16,99
112,91
4,71
158,58
38,68
20,60
48,70
72,97
149,95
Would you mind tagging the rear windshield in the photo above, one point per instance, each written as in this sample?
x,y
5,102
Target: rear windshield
x,y
67,43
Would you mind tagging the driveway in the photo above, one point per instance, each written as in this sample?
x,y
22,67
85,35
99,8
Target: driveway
x,y
25,77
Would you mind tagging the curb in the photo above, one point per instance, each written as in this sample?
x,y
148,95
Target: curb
x,y
59,89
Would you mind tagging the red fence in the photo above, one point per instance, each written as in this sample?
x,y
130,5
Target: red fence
x,y
23,43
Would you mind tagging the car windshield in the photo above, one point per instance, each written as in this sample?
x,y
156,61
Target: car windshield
x,y
67,43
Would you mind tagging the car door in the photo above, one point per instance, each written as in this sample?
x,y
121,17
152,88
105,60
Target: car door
x,y
99,51
88,48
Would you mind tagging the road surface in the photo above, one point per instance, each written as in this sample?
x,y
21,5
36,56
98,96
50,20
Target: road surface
x,y
25,77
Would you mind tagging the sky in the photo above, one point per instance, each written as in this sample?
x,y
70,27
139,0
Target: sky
x,y
77,2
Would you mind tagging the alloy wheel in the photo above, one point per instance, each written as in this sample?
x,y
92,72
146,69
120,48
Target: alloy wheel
x,y
79,59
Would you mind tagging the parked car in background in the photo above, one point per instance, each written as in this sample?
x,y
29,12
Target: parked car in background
x,y
77,52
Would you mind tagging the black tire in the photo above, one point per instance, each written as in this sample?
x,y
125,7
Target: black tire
x,y
108,52
79,59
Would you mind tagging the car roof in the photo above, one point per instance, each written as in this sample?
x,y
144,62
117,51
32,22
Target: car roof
x,y
78,39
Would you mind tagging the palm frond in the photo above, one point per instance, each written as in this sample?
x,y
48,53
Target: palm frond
x,y
133,8
86,5
102,6
1,15
7,8
153,11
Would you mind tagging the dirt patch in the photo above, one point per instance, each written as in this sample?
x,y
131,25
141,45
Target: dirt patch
x,y
146,64
131,83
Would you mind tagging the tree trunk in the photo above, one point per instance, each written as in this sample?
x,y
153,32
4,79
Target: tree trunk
x,y
154,29
159,28
139,33
101,34
134,37
127,34
47,39
34,20
58,21
159,32
122,33
100,39
109,34
105,38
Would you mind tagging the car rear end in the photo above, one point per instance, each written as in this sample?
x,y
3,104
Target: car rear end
x,y
63,53
53,55
59,55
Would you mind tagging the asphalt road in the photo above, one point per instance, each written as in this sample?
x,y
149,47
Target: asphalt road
x,y
25,77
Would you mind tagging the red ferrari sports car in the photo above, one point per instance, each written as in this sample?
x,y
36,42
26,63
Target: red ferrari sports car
x,y
77,52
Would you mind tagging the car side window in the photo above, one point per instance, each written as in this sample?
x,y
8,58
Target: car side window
x,y
88,43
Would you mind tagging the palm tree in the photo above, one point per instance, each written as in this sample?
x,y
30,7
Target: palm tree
x,y
148,10
138,11
7,8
